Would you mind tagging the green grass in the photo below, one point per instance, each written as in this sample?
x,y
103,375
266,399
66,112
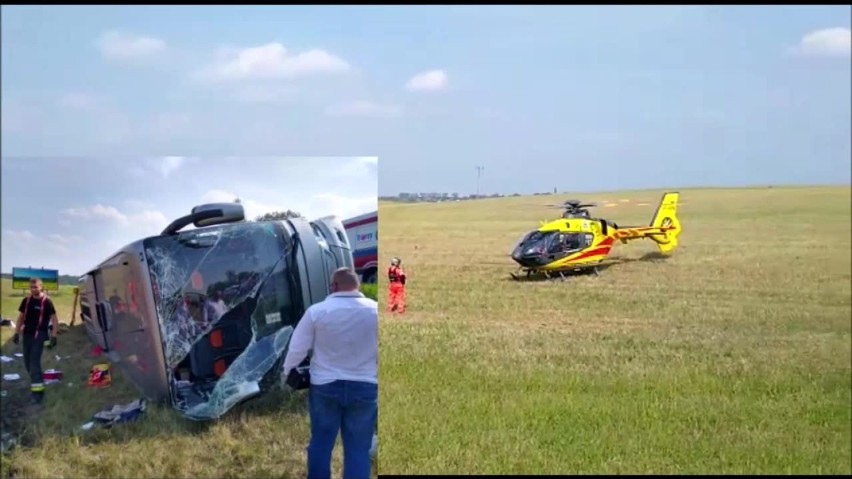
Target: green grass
x,y
264,437
734,356
370,290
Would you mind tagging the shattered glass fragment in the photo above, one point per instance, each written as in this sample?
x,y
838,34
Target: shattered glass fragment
x,y
241,380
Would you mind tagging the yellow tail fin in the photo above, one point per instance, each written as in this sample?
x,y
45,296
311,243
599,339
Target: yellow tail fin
x,y
666,217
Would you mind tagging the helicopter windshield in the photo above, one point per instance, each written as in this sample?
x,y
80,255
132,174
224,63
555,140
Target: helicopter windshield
x,y
553,242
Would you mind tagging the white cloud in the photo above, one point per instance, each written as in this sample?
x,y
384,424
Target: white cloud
x,y
166,126
149,220
316,206
272,61
344,206
252,208
110,125
432,80
125,47
170,164
828,42
98,231
146,220
65,253
14,235
19,117
138,204
265,94
221,196
359,169
97,212
28,243
65,240
364,108
164,166
80,101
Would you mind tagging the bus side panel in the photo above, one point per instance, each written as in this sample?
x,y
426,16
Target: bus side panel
x,y
364,241
92,312
133,327
313,269
338,242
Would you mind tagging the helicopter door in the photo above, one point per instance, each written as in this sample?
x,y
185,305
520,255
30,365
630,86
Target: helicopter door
x,y
573,242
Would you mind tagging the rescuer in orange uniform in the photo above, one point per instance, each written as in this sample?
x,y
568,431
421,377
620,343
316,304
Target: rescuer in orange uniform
x,y
396,287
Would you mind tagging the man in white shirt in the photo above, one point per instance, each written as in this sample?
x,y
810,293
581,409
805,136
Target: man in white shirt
x,y
342,333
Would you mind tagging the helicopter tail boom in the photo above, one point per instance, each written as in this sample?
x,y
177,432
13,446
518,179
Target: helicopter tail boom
x,y
665,223
663,230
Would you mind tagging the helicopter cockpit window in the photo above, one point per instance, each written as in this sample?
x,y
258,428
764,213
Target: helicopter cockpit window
x,y
572,241
528,239
562,242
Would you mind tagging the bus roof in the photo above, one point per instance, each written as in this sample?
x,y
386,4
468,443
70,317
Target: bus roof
x,y
361,218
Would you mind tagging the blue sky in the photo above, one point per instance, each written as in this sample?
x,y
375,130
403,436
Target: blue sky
x,y
577,98
71,214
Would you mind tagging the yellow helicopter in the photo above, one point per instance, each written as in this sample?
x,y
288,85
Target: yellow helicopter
x,y
578,241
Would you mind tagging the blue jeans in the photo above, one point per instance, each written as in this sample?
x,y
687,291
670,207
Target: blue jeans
x,y
348,407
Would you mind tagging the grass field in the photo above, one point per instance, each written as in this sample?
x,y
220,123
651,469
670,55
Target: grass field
x,y
264,437
734,356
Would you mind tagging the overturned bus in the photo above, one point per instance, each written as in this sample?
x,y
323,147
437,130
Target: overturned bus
x,y
201,318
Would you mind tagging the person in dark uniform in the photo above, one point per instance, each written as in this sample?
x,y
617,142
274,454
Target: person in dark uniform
x,y
37,322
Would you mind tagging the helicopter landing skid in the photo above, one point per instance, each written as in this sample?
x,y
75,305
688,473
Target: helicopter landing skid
x,y
516,277
552,275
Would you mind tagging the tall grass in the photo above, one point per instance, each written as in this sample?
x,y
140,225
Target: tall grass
x,y
734,356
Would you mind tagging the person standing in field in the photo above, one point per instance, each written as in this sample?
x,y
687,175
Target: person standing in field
x,y
396,287
342,333
36,313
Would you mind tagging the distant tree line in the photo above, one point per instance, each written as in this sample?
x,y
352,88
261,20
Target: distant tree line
x,y
279,215
275,215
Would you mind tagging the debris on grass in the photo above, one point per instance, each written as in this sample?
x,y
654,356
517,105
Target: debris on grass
x,y
120,413
99,376
8,441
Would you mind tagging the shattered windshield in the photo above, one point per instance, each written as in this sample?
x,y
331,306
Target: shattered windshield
x,y
227,299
